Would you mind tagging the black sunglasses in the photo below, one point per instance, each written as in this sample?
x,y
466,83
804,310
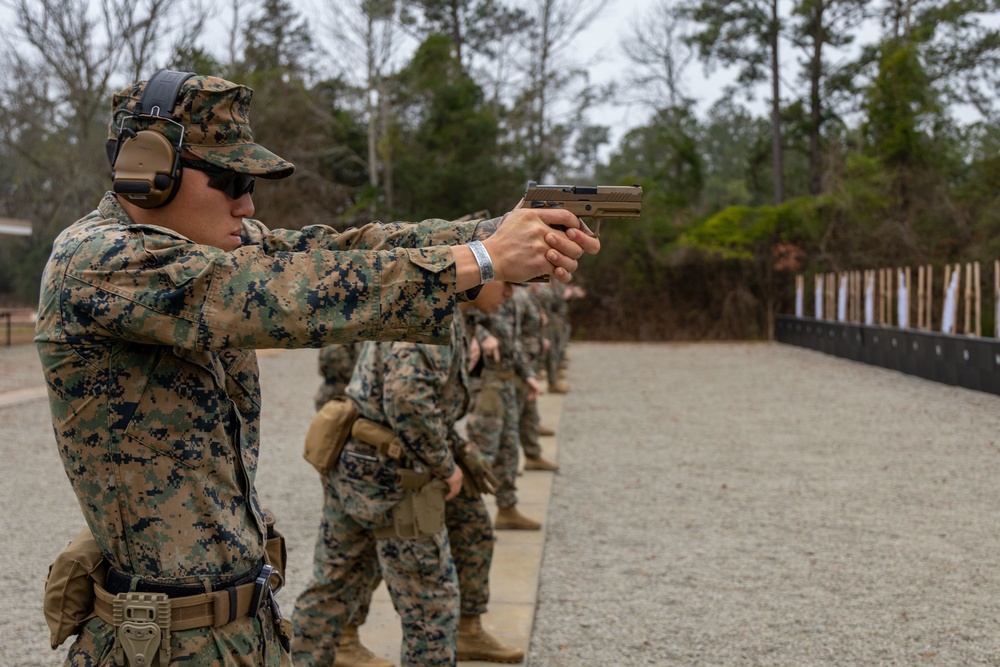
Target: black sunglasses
x,y
233,183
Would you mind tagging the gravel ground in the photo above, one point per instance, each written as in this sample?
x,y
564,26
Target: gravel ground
x,y
718,504
760,504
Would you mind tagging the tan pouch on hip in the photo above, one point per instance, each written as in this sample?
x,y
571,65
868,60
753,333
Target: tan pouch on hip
x,y
328,432
68,602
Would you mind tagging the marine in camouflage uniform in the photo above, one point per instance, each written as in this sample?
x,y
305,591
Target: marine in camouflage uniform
x,y
147,342
419,392
494,423
552,296
531,338
336,365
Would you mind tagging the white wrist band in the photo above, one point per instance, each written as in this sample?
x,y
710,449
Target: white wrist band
x,y
483,260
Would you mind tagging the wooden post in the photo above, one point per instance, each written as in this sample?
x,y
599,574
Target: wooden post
x,y
856,275
831,296
920,298
967,322
978,300
930,297
909,298
850,296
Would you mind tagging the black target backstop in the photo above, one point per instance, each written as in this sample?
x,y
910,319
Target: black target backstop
x,y
965,361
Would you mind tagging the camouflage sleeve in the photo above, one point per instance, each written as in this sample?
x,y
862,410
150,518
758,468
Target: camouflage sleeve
x,y
373,236
412,404
149,286
486,228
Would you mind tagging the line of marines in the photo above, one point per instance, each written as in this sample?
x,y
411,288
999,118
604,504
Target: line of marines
x,y
485,384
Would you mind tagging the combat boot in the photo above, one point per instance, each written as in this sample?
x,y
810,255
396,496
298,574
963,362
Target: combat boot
x,y
558,387
352,653
508,518
475,643
545,430
540,463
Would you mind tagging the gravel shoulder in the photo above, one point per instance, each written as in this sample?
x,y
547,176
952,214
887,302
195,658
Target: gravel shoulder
x,y
761,504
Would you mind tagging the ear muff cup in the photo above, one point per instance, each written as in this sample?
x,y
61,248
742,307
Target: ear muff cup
x,y
147,170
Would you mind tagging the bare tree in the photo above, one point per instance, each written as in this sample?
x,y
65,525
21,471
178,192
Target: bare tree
x,y
61,59
549,71
660,47
368,37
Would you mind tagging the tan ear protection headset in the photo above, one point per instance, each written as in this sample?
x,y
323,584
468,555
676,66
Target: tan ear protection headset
x,y
146,166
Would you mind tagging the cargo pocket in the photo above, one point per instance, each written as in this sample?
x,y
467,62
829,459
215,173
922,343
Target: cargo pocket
x,y
366,486
489,401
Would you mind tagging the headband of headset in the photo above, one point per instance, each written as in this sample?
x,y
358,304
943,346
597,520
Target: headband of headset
x,y
160,95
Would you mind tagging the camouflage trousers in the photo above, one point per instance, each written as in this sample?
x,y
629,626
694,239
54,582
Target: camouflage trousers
x,y
246,642
528,420
558,333
493,426
419,573
470,533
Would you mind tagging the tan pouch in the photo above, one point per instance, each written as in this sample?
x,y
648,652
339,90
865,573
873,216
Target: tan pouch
x,y
275,552
428,508
69,588
489,400
328,432
418,514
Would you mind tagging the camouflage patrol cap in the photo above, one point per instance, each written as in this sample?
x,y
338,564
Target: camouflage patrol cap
x,y
215,114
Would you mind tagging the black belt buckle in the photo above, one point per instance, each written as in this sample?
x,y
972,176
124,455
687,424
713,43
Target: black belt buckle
x,y
261,588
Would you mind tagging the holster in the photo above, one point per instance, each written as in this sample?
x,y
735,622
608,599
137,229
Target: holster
x,y
420,513
328,432
275,552
142,629
382,438
468,484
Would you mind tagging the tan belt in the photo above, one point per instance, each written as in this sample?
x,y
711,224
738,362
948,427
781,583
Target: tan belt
x,y
192,611
382,438
506,376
